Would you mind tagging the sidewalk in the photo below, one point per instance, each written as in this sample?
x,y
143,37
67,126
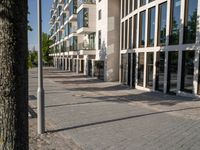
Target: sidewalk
x,y
95,115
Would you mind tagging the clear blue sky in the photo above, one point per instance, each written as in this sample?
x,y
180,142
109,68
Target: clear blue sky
x,y
46,5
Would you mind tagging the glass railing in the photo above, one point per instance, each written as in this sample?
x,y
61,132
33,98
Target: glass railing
x,y
86,46
80,2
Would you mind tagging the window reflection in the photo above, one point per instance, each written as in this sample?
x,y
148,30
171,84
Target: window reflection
x,y
140,68
172,71
162,23
149,75
175,22
142,28
160,65
151,27
187,71
190,23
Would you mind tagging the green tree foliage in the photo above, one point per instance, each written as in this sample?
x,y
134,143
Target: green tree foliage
x,y
46,43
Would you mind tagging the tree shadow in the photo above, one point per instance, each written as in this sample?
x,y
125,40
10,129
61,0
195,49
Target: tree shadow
x,y
119,119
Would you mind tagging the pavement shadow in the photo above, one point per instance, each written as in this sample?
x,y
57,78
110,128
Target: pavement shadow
x,y
151,98
119,119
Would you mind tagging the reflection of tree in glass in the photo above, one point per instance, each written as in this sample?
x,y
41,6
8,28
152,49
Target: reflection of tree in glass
x,y
174,37
190,29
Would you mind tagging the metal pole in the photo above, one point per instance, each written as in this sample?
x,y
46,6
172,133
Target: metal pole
x,y
40,91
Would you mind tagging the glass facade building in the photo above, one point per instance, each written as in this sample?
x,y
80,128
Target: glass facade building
x,y
165,40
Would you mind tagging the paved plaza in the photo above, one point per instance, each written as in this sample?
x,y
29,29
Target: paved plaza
x,y
86,113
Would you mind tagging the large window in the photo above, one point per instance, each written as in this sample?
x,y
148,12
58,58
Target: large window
x,y
187,71
172,71
140,69
160,68
142,2
149,73
127,4
99,41
135,4
72,7
175,22
151,27
162,23
126,34
135,31
83,18
73,43
130,33
122,36
130,6
142,29
190,22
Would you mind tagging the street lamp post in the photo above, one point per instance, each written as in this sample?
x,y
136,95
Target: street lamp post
x,y
40,90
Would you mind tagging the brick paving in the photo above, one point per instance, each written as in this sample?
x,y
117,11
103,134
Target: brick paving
x,y
86,113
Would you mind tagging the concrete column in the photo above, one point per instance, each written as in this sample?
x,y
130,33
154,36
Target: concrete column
x,y
179,75
146,28
154,70
182,17
136,70
156,26
197,52
145,69
168,21
196,72
131,71
166,72
85,64
77,65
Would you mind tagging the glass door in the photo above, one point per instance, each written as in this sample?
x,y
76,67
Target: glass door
x,y
160,68
172,72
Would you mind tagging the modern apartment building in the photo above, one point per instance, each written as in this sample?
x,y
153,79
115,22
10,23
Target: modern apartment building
x,y
160,45
152,45
80,31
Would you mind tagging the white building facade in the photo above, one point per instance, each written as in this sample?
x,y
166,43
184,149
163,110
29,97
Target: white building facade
x,y
160,45
79,29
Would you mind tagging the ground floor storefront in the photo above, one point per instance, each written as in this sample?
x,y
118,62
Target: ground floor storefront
x,y
168,71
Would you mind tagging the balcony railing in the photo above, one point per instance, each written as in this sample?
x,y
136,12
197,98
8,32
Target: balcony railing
x,y
86,46
80,2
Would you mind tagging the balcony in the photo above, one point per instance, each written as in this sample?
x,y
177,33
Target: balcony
x,y
86,46
80,2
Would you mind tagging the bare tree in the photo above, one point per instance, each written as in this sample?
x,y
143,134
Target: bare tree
x,y
13,75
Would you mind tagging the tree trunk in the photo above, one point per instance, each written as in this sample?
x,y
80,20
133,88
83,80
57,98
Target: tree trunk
x,y
13,75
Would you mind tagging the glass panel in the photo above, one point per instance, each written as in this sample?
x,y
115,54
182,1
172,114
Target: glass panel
x,y
175,22
126,34
151,27
122,36
142,28
135,4
160,68
190,23
162,23
124,68
83,18
187,71
130,33
149,75
140,69
172,72
142,2
135,31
